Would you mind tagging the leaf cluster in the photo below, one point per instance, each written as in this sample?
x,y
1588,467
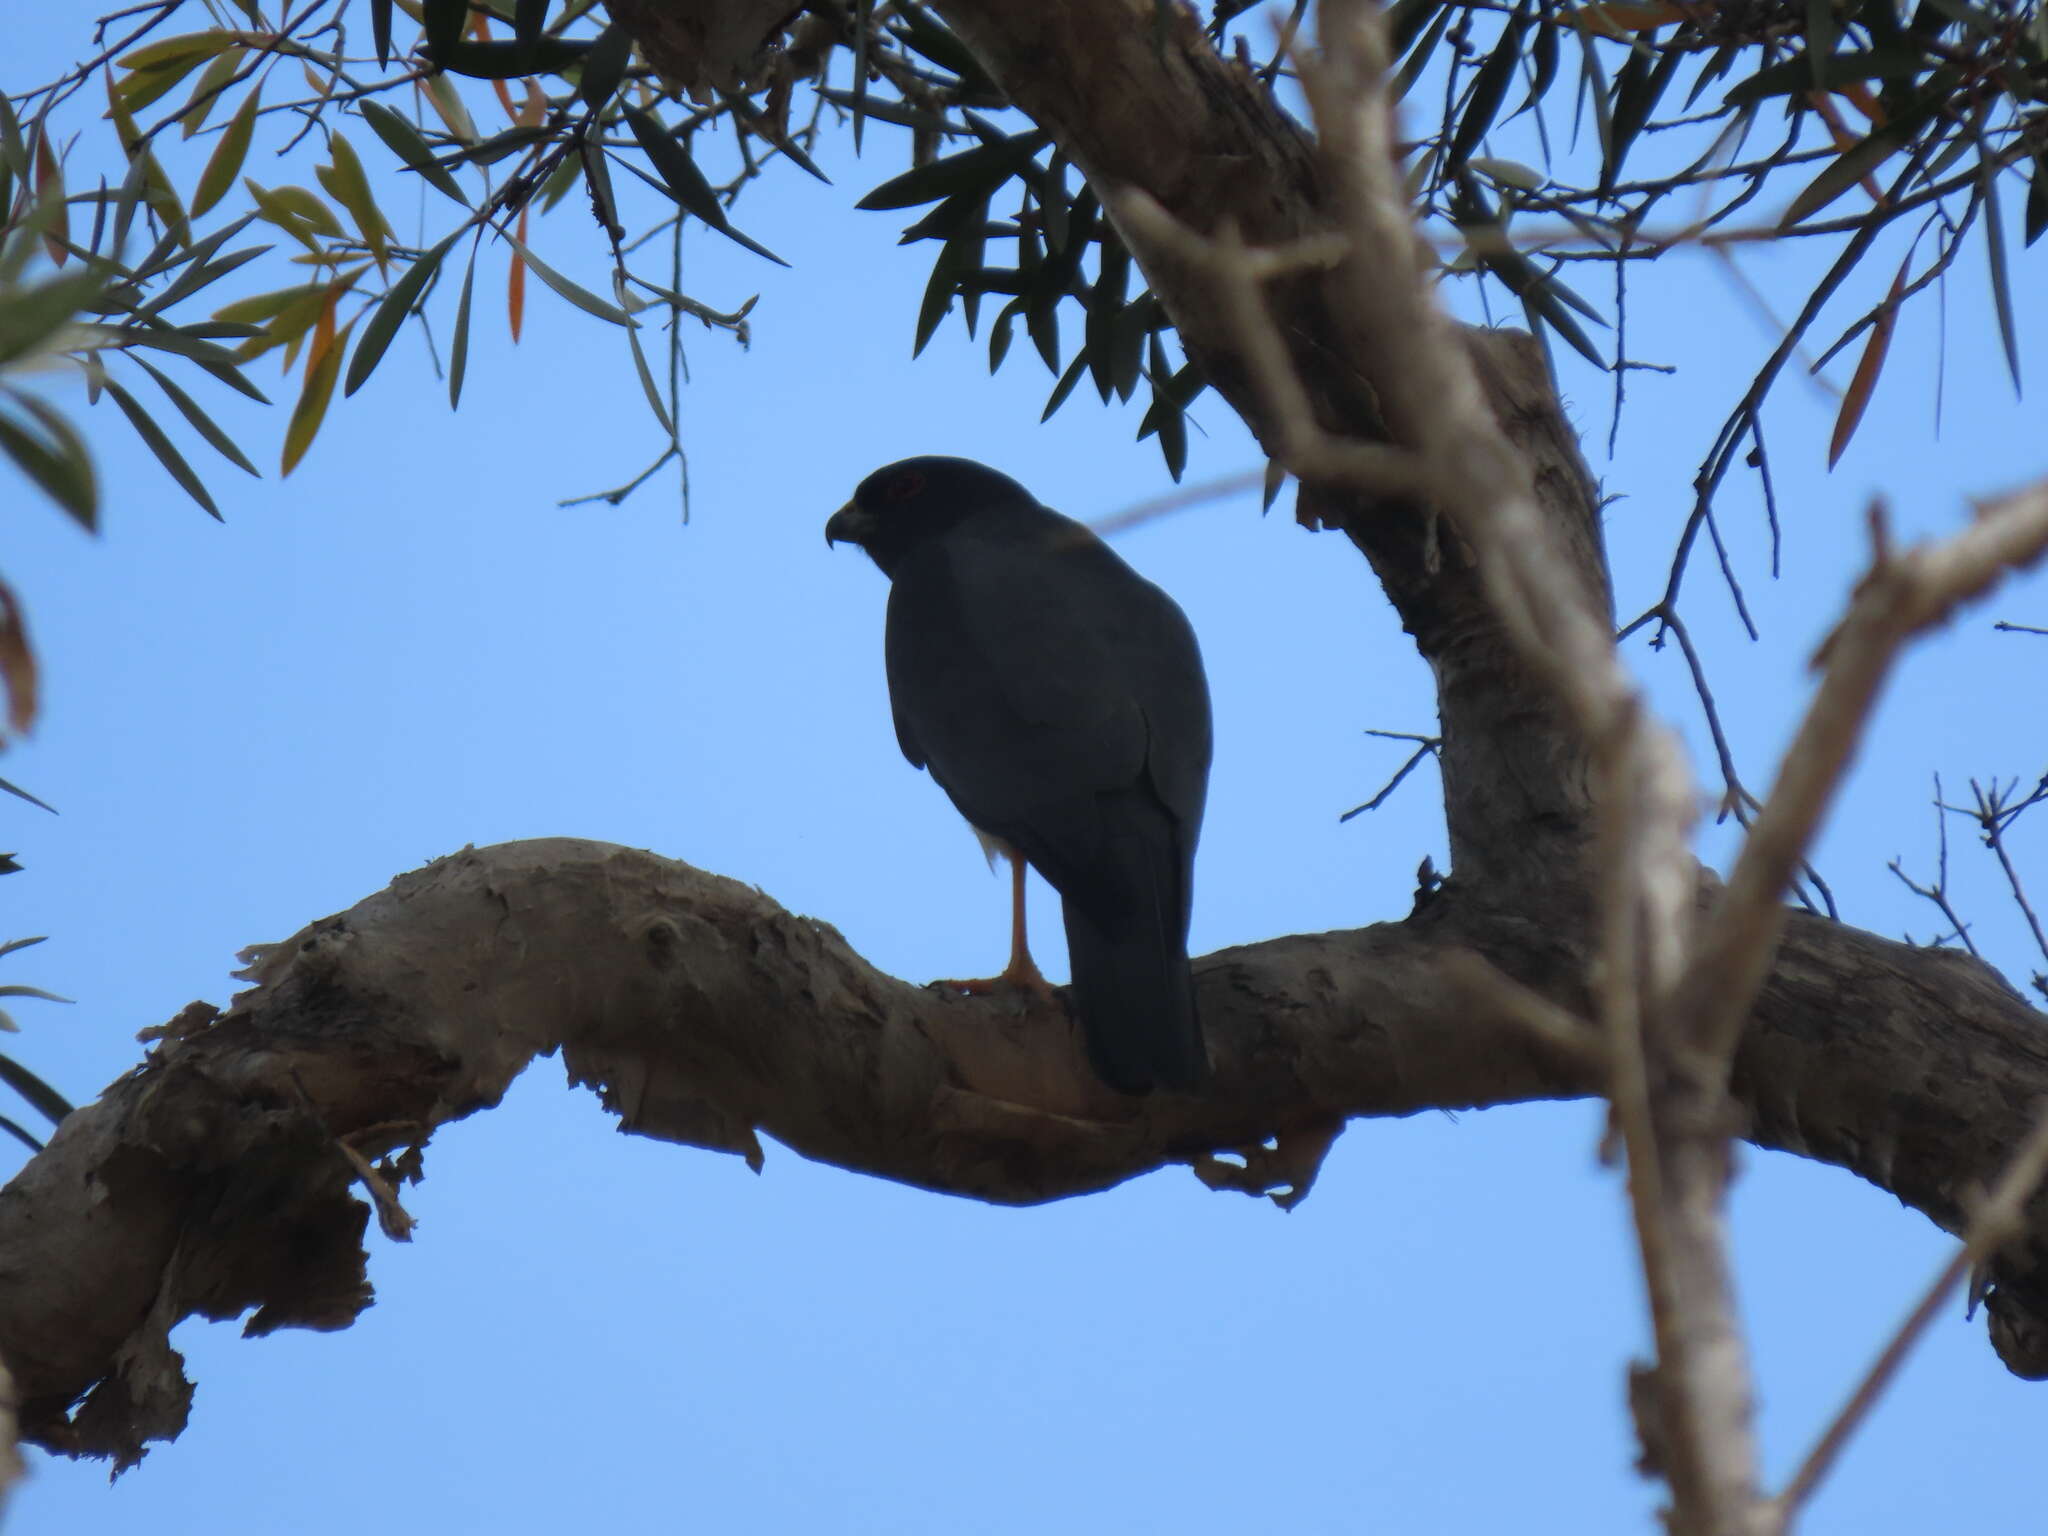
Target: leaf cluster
x,y
1918,111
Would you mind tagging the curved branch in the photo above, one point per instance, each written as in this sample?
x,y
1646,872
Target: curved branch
x,y
217,1177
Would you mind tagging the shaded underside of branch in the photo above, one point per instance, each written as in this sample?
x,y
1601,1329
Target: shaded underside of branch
x,y
217,1179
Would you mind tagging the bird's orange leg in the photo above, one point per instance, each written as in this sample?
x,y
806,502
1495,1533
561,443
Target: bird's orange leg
x,y
1022,973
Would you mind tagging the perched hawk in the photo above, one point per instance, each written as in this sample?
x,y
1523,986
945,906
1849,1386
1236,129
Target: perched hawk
x,y
1059,699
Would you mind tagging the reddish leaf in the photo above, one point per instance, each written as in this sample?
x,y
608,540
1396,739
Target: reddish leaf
x,y
17,663
1868,367
1824,105
480,24
323,364
48,184
515,285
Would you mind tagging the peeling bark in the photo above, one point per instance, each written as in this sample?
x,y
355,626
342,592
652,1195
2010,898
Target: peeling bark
x,y
214,1179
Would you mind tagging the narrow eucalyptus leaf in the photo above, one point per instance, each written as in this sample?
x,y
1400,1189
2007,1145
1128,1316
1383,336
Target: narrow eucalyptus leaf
x,y
202,423
165,450
458,350
1490,86
404,141
390,314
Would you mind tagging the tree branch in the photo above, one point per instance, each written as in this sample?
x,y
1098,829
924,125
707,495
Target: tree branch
x,y
217,1177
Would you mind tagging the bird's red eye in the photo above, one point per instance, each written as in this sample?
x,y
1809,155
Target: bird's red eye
x,y
905,486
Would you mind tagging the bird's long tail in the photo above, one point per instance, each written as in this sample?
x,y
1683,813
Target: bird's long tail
x,y
1132,984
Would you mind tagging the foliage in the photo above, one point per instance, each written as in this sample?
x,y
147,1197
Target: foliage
x,y
1927,109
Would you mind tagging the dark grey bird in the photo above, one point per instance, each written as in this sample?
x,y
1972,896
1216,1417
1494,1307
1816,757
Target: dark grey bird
x,y
1059,699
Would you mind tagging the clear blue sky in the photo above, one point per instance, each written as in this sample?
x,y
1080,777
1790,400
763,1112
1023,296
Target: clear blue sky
x,y
407,647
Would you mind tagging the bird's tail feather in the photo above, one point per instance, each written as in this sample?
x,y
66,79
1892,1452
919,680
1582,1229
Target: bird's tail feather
x,y
1132,984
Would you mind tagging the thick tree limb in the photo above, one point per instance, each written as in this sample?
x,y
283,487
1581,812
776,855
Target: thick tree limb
x,y
214,1180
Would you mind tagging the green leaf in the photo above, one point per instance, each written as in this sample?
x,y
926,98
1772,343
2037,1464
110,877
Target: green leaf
x,y
529,19
999,334
605,68
390,314
167,255
46,1101
683,182
380,30
1129,333
1543,57
51,454
647,386
981,169
1105,300
598,177
346,183
1419,56
16,989
291,214
947,219
884,111
201,422
2001,285
312,403
1820,40
169,340
1406,20
404,141
1636,94
458,350
268,306
508,60
447,102
1543,308
763,127
31,316
561,179
202,274
144,87
1490,87
207,91
443,21
1042,321
231,376
923,35
225,163
938,294
500,145
2037,199
7,864
582,298
13,147
166,452
189,49
1852,165
1892,61
1065,387
863,27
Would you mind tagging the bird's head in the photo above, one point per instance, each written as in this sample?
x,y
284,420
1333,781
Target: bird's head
x,y
902,504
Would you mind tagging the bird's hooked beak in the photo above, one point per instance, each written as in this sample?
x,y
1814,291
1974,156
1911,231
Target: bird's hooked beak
x,y
849,525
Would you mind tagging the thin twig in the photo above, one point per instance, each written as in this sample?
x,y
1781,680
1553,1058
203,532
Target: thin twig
x,y
1997,1220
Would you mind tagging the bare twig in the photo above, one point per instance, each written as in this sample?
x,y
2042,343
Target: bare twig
x,y
1904,593
2001,1216
1938,892
1426,746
